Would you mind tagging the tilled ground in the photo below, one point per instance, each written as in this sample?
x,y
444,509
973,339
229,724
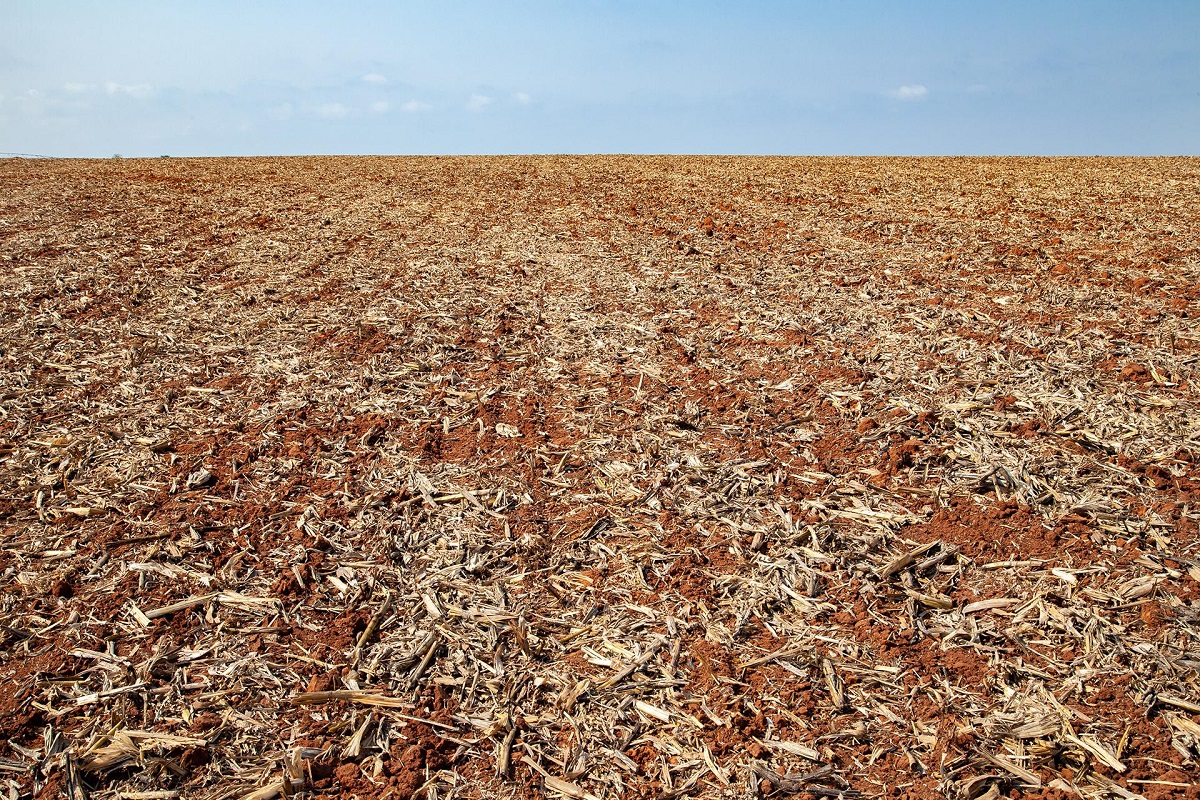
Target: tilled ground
x,y
600,477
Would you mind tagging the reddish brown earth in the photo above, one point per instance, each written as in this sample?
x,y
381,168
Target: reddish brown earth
x,y
600,477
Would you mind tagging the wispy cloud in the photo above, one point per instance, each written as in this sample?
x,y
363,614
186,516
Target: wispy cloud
x,y
139,90
281,112
380,107
522,98
478,102
374,78
332,111
913,91
75,88
413,106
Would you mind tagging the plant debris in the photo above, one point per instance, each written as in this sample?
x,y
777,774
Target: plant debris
x,y
599,477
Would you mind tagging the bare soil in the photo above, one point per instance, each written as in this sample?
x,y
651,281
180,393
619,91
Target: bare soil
x,y
600,477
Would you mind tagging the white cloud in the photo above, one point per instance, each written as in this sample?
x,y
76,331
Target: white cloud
x,y
478,102
412,106
75,88
522,98
374,78
914,91
281,112
380,106
332,111
139,91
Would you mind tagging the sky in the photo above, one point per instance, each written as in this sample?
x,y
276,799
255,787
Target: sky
x,y
859,77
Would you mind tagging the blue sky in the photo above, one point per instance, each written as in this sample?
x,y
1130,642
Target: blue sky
x,y
584,76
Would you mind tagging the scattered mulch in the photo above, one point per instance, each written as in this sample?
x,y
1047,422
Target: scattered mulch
x,y
599,477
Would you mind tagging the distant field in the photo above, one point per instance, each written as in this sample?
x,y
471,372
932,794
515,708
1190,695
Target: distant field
x,y
600,477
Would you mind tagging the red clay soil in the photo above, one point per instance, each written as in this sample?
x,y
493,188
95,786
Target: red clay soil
x,y
599,477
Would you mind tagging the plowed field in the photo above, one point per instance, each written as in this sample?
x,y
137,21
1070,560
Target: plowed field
x,y
599,478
